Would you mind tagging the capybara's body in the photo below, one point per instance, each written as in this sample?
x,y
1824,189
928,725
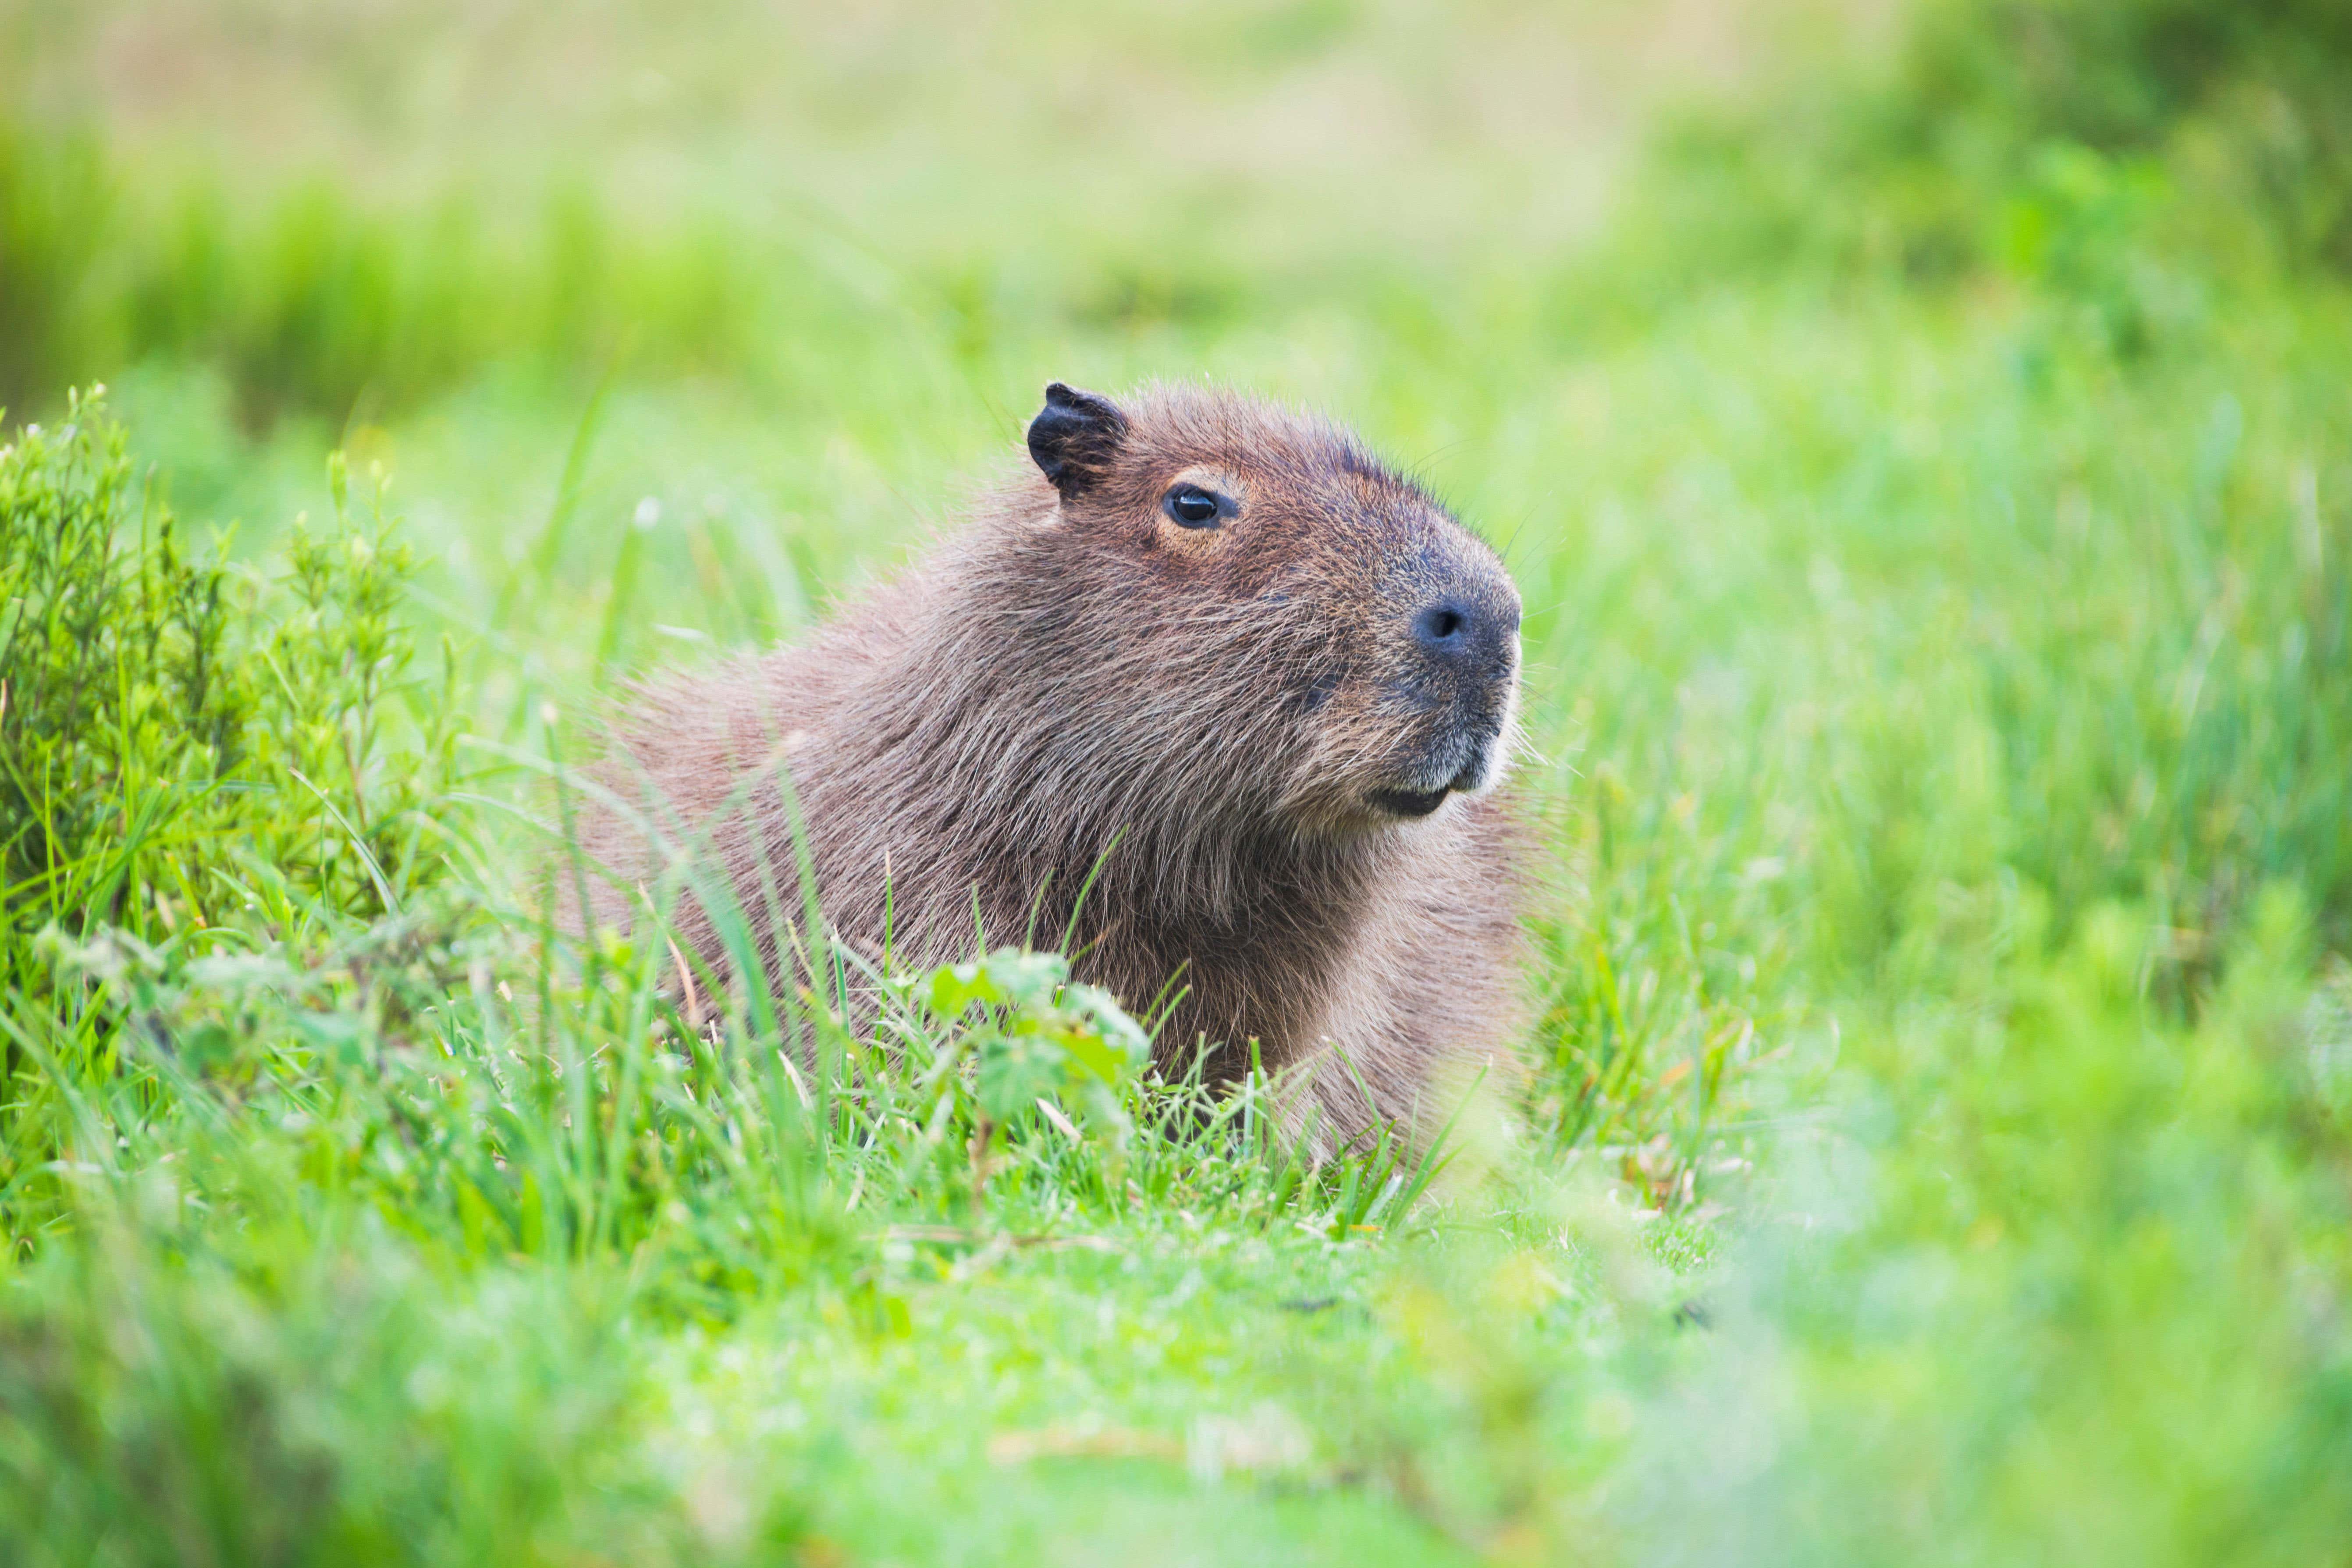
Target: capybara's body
x,y
1210,694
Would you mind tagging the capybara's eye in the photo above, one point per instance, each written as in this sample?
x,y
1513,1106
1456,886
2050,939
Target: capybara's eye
x,y
1193,507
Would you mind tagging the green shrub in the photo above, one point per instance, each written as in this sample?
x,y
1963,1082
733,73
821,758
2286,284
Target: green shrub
x,y
2113,155
199,761
187,742
123,718
2245,108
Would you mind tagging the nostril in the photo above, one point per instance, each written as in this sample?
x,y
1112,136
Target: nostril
x,y
1442,627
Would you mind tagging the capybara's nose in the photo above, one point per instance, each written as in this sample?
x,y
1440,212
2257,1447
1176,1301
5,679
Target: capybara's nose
x,y
1467,637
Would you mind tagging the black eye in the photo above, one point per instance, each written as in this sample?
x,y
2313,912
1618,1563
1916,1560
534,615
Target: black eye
x,y
1193,507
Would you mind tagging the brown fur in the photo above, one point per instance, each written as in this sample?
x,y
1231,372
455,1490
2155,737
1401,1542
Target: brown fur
x,y
1075,686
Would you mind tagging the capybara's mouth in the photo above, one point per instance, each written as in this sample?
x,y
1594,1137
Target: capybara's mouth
x,y
1413,803
1463,762
1409,803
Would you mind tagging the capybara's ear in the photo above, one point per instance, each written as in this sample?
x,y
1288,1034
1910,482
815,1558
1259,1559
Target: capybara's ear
x,y
1074,436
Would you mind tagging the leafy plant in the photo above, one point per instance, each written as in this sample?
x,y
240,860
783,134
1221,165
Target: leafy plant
x,y
124,721
188,742
1038,1035
199,763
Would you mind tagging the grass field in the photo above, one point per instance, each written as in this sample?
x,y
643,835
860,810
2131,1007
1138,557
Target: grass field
x,y
1922,439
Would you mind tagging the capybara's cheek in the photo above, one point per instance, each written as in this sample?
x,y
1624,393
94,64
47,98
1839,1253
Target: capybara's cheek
x,y
1198,547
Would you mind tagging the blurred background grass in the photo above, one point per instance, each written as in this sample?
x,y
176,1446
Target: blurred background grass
x,y
1921,432
418,190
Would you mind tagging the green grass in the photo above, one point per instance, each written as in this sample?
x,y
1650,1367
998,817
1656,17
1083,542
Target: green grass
x,y
1933,505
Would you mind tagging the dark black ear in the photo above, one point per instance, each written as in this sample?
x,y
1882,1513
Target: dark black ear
x,y
1074,436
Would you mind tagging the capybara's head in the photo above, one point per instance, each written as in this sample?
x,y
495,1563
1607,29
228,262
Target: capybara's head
x,y
1270,624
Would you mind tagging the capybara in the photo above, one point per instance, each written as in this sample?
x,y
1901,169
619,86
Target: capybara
x,y
1208,691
